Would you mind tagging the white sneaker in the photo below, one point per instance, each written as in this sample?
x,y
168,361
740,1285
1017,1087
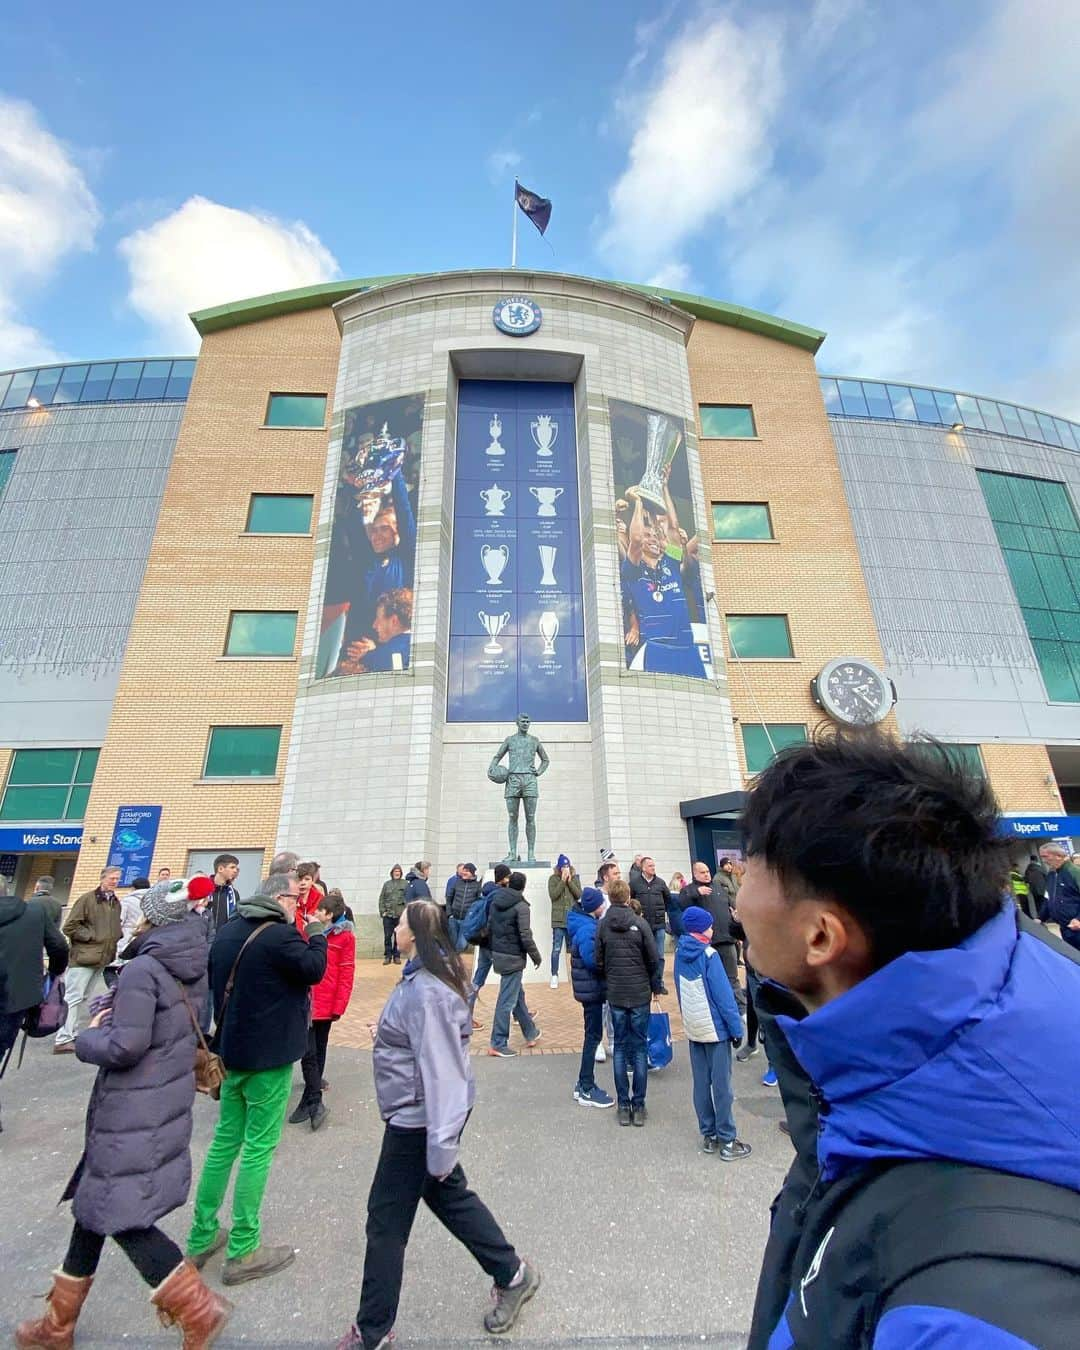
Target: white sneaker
x,y
601,1053
554,982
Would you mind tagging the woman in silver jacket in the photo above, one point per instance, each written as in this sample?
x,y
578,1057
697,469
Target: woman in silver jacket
x,y
425,1090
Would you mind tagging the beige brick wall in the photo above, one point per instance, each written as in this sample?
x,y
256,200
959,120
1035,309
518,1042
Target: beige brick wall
x,y
1018,775
174,685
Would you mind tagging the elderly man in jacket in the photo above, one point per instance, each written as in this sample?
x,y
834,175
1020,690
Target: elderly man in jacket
x,y
93,928
651,892
1062,903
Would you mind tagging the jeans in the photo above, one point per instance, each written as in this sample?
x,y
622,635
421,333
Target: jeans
x,y
631,1031
713,1100
401,1181
558,937
153,1254
483,967
660,934
389,942
511,1000
253,1105
455,933
81,985
593,1014
313,1065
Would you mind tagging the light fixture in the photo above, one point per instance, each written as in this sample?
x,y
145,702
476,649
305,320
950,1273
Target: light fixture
x,y
32,402
958,426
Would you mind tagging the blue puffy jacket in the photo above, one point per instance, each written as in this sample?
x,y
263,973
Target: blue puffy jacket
x,y
588,986
708,1007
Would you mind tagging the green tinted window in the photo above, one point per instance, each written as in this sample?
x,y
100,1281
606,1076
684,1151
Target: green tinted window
x,y
968,758
759,636
756,737
43,766
242,752
7,464
727,420
48,785
741,520
296,410
88,762
279,513
261,633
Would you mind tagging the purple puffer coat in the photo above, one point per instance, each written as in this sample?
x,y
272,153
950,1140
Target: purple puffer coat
x,y
136,1164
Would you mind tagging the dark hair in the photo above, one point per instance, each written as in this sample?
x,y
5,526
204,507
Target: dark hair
x,y
224,859
619,894
501,872
517,881
427,921
334,904
306,869
901,836
397,867
606,869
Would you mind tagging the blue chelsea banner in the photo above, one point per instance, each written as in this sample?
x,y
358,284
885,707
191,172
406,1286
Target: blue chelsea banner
x,y
134,837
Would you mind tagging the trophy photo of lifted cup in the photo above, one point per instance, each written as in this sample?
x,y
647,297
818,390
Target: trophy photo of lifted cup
x,y
545,431
493,625
546,497
495,431
549,630
494,561
495,499
662,441
547,565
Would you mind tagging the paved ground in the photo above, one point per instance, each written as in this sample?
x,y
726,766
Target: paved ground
x,y
642,1240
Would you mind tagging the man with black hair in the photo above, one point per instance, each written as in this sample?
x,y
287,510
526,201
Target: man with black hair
x,y
511,942
947,1206
223,902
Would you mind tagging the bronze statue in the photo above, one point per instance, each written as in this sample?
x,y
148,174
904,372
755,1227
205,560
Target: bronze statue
x,y
520,777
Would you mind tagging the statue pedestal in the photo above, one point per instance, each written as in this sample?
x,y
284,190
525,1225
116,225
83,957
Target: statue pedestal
x,y
536,892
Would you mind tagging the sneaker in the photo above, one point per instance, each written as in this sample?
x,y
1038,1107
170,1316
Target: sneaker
x,y
601,1053
529,1044
747,1052
302,1113
257,1265
508,1302
734,1149
639,1115
624,1115
352,1340
477,1026
386,960
502,1052
199,1259
710,1144
318,1116
554,983
769,1077
596,1096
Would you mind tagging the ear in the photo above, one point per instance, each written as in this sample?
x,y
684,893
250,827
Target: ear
x,y
828,938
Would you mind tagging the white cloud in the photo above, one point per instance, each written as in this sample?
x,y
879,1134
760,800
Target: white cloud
x,y
47,211
672,276
500,163
206,254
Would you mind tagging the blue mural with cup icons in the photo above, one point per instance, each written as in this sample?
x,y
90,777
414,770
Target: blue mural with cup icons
x,y
517,636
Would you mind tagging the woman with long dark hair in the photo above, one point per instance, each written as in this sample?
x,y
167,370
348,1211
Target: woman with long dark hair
x,y
425,1090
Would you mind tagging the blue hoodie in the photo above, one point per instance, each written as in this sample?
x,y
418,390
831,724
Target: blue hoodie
x,y
943,1054
706,1000
582,928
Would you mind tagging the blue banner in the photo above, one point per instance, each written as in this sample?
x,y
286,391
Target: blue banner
x,y
1040,827
517,635
134,837
42,839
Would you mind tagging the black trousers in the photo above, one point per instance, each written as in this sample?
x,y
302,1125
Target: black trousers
x,y
313,1063
389,942
726,952
751,1012
401,1181
153,1255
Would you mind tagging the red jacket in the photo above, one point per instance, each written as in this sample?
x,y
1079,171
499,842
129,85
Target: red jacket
x,y
331,995
304,915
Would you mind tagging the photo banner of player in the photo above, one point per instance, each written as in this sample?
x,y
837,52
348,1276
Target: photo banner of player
x,y
665,631
368,602
517,639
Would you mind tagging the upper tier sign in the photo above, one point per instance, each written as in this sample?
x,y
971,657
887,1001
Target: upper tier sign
x,y
517,316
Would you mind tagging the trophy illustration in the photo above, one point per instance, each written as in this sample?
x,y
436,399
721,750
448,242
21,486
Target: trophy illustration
x,y
495,499
662,440
494,561
547,497
494,624
545,431
495,427
547,562
370,467
549,631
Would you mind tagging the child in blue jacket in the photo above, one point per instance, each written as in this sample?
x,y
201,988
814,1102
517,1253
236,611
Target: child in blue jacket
x,y
713,1026
581,926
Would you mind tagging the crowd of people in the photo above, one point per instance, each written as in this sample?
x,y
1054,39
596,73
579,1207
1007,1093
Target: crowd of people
x,y
902,989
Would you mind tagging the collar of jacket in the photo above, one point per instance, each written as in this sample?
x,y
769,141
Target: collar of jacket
x,y
261,907
106,897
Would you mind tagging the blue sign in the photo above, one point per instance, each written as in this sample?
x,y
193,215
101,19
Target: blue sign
x,y
1040,827
134,837
42,839
517,315
517,630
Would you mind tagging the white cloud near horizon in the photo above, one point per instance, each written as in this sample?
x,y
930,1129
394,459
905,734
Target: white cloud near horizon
x,y
205,254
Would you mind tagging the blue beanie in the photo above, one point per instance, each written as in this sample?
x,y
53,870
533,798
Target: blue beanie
x,y
563,861
591,899
696,920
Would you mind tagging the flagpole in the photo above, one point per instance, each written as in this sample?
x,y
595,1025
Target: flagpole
x,y
513,246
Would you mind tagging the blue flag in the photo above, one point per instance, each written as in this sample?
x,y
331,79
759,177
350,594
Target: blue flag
x,y
538,209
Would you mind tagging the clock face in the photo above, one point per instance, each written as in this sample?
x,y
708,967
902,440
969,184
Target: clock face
x,y
854,691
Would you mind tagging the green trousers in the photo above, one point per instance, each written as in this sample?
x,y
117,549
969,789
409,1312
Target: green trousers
x,y
253,1106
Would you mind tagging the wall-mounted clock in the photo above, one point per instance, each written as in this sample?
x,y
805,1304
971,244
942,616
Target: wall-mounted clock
x,y
853,691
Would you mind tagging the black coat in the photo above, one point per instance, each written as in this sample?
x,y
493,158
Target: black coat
x,y
511,931
1035,877
654,898
25,932
461,896
726,928
626,958
266,1022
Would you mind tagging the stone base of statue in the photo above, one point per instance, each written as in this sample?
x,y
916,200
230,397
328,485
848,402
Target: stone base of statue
x,y
536,892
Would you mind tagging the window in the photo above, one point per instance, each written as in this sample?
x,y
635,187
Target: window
x,y
727,420
7,466
254,632
757,735
296,410
242,752
279,513
48,784
759,637
741,520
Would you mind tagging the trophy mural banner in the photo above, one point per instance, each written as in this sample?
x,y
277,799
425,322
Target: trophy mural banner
x,y
516,616
665,631
368,602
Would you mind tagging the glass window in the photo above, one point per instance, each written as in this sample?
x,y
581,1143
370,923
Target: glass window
x,y
7,466
261,633
242,752
71,383
76,807
851,398
727,420
96,388
741,520
1057,672
1049,431
180,380
125,383
990,415
758,735
903,405
19,389
877,399
759,636
831,395
48,785
925,407
1056,504
1065,431
1029,501
948,409
43,766
45,385
967,757
1040,623
155,379
296,410
88,762
969,411
5,381
1011,418
279,513
1030,424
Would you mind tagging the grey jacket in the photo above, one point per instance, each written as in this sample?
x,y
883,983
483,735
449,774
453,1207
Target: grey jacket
x,y
423,1077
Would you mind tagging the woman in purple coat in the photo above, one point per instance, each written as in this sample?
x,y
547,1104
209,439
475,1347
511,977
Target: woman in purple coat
x,y
136,1163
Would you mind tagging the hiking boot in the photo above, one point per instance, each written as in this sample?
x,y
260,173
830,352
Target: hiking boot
x,y
710,1144
624,1116
199,1259
56,1330
640,1115
734,1149
257,1265
596,1096
302,1113
502,1052
509,1302
747,1052
318,1116
183,1300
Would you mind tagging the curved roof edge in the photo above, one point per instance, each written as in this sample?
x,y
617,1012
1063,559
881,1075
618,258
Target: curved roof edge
x,y
329,293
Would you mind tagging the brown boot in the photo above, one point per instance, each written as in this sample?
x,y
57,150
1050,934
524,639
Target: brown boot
x,y
56,1330
183,1300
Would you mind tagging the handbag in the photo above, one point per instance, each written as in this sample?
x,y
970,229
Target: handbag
x,y
661,1050
43,1019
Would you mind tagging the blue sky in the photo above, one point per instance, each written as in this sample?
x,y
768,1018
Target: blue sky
x,y
905,177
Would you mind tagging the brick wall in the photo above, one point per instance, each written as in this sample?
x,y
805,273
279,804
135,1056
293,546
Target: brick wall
x,y
1018,775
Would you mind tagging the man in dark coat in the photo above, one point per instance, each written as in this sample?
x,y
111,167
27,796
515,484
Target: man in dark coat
x,y
652,894
1062,903
43,894
511,942
461,891
262,1030
25,930
627,961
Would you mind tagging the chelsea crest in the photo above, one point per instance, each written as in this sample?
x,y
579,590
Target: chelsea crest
x,y
517,315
